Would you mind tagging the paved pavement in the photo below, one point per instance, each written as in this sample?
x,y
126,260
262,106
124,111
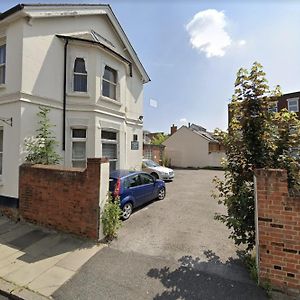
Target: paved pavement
x,y
35,259
169,249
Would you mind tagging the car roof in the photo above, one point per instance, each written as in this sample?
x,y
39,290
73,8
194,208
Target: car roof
x,y
123,173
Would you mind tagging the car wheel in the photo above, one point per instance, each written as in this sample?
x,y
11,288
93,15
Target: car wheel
x,y
127,211
155,175
161,194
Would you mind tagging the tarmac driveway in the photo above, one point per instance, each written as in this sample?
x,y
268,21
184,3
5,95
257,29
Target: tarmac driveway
x,y
169,249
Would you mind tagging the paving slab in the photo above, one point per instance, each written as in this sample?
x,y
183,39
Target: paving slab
x,y
17,231
28,239
51,280
28,272
37,261
78,258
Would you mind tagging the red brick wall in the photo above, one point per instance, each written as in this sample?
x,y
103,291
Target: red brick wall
x,y
157,152
61,198
278,231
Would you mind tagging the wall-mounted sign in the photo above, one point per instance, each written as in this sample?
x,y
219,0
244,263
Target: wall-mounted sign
x,y
134,145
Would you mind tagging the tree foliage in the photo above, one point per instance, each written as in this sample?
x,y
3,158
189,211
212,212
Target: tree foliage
x,y
42,148
256,138
159,139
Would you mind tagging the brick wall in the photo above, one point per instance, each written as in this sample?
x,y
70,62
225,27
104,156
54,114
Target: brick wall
x,y
156,152
278,231
61,198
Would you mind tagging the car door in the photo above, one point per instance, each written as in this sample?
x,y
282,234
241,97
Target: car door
x,y
148,187
136,189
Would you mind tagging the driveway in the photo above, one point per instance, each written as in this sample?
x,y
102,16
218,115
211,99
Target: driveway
x,y
169,249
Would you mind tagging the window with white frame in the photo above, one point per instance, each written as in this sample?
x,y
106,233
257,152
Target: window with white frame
x,y
293,104
79,148
109,141
1,151
80,75
109,83
2,63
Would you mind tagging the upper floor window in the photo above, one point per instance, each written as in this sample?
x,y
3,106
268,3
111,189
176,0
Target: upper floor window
x,y
293,104
80,75
79,148
2,63
1,149
109,83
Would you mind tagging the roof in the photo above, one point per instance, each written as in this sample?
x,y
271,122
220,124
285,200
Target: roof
x,y
106,10
200,131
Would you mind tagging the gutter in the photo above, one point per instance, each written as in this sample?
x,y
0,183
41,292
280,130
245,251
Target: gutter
x,y
65,95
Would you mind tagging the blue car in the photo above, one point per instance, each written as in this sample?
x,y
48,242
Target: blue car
x,y
135,188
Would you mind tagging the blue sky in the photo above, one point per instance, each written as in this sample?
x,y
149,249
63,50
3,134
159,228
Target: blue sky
x,y
193,49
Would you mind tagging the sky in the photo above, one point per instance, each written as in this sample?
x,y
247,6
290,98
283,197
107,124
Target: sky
x,y
192,49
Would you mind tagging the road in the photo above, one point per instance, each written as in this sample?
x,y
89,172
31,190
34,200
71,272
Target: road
x,y
169,249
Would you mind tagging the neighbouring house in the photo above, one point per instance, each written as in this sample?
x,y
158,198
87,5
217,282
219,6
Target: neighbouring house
x,y
151,151
289,101
193,147
77,60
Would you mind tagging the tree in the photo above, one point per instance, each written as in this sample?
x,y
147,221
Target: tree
x,y
256,138
41,149
159,139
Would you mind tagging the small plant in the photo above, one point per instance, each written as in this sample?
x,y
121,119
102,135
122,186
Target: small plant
x,y
111,217
41,149
250,262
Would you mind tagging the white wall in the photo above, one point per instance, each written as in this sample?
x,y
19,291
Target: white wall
x,y
186,149
11,148
35,62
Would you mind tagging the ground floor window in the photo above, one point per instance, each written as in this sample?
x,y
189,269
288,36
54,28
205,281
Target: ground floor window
x,y
148,153
109,140
1,149
79,148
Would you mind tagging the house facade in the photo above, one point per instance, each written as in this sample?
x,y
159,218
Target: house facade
x,y
77,61
193,147
289,101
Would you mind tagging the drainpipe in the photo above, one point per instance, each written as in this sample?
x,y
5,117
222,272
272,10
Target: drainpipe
x,y
65,95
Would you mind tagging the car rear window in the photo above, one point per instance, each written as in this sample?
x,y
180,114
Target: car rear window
x,y
112,184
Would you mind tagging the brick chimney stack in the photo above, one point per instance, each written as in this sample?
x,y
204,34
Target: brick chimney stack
x,y
173,129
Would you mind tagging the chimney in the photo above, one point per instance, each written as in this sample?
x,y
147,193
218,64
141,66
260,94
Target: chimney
x,y
173,129
189,124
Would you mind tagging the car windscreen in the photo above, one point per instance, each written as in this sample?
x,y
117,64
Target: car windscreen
x,y
112,184
151,163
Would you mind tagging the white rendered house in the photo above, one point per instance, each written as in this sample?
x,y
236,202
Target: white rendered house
x,y
76,60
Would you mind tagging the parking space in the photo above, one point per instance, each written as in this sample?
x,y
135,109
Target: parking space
x,y
183,223
169,249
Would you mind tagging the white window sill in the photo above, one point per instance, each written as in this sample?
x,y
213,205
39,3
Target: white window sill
x,y
1,181
2,86
110,100
78,94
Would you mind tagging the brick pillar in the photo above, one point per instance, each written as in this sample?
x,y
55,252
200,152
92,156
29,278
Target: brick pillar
x,y
278,231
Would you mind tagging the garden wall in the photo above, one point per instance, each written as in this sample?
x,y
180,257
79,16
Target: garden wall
x,y
277,231
66,199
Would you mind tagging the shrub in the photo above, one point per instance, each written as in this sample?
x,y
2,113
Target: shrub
x,y
41,148
111,217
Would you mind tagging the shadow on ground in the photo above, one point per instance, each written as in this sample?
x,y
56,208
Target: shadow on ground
x,y
35,242
211,279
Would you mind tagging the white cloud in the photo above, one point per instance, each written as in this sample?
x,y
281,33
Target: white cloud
x,y
153,103
241,43
207,32
183,120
